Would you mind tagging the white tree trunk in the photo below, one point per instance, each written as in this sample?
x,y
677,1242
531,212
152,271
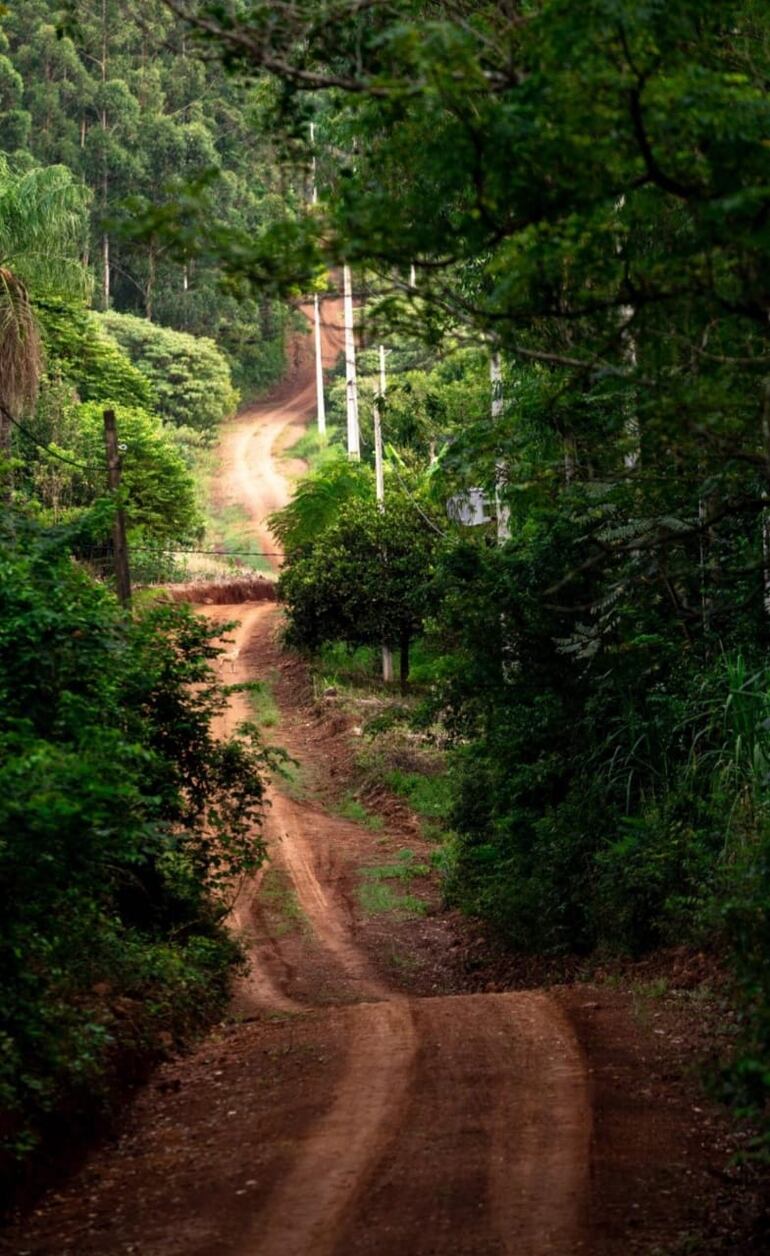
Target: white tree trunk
x,y
632,456
501,467
354,440
379,469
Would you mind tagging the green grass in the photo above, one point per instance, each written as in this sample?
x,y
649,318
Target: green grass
x,y
376,894
341,668
263,703
280,903
227,528
429,796
312,447
351,808
230,528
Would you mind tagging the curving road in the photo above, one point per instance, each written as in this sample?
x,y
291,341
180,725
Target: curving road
x,y
457,1125
331,1114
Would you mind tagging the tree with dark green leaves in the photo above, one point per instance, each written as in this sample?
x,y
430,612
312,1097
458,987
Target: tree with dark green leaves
x,y
364,579
581,190
42,226
125,820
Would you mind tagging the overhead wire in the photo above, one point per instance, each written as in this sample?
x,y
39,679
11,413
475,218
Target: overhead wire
x,y
52,453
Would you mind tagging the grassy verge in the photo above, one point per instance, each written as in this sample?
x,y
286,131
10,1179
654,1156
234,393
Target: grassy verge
x,y
280,904
351,808
428,795
313,447
263,703
396,753
385,887
228,528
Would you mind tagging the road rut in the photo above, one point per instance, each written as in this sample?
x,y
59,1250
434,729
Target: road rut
x,y
458,1124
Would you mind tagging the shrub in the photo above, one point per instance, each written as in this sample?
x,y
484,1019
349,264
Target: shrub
x,y
123,821
79,351
159,490
189,376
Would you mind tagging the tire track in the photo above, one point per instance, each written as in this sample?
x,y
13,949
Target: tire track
x,y
458,1125
305,1214
492,1154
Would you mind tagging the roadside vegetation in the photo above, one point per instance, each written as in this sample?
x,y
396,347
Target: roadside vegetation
x,y
124,822
555,221
556,216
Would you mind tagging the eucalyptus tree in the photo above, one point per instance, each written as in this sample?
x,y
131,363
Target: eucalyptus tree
x,y
112,91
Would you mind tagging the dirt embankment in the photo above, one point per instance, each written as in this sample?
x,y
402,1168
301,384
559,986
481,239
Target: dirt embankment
x,y
343,1110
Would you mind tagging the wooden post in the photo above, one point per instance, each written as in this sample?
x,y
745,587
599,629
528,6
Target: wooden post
x,y
122,574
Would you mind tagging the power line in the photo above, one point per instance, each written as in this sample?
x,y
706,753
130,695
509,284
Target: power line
x,y
52,453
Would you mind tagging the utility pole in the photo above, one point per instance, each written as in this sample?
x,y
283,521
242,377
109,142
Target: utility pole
x,y
319,363
119,544
379,472
354,442
501,469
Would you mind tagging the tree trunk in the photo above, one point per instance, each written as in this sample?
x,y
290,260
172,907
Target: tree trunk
x,y
6,483
354,446
106,285
502,511
319,366
106,275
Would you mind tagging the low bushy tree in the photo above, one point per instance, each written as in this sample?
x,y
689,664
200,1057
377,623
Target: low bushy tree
x,y
365,580
188,375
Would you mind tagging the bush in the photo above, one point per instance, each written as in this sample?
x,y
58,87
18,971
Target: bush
x,y
188,375
79,352
159,491
364,580
123,821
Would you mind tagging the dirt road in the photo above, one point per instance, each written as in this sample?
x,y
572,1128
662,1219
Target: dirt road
x,y
250,475
457,1125
337,1113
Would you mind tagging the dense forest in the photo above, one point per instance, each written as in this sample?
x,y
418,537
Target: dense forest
x,y
580,196
557,222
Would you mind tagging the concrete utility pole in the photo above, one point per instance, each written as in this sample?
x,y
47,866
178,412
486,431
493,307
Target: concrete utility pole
x,y
120,546
319,362
501,469
379,472
354,440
